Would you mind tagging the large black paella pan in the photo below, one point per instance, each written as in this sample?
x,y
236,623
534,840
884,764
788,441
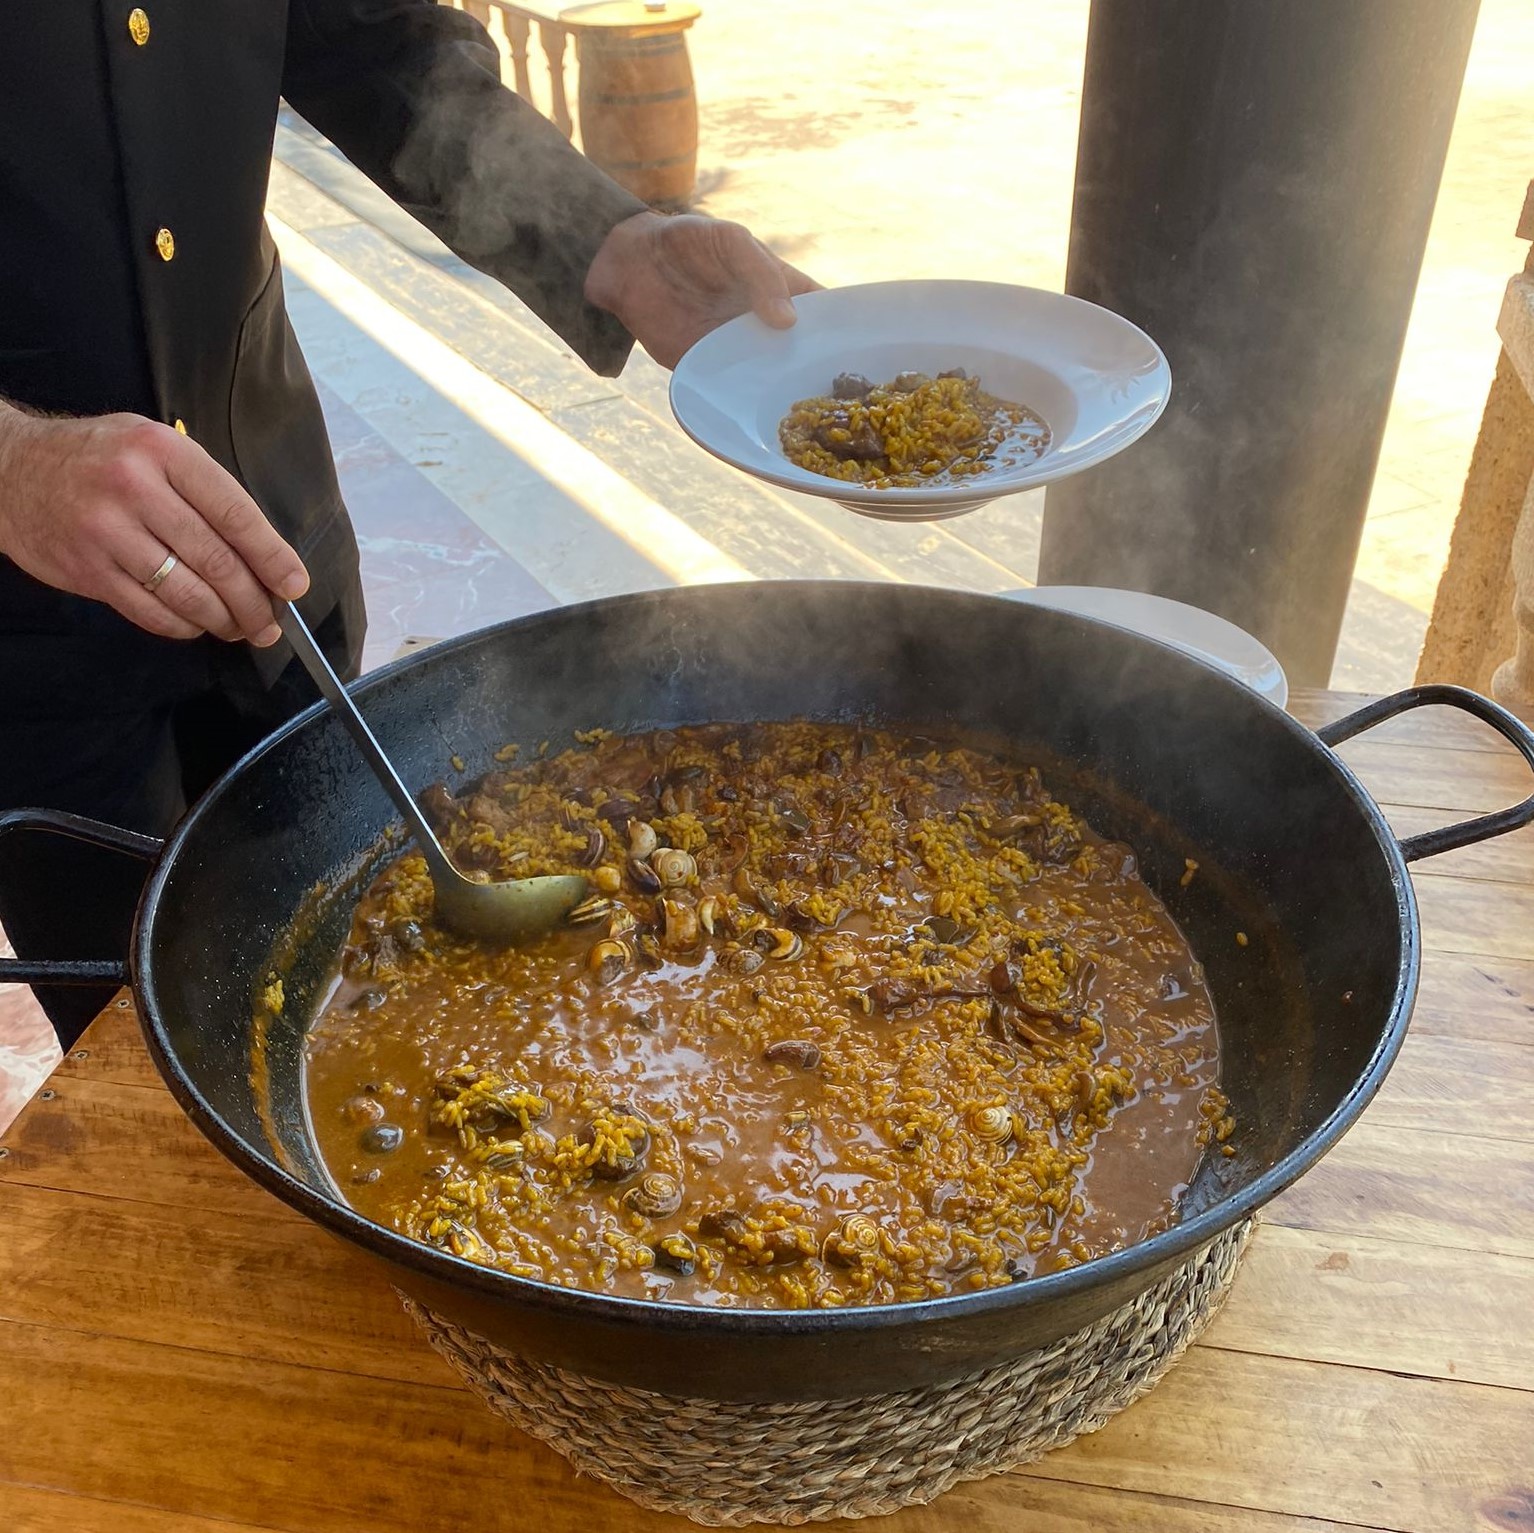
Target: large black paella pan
x,y
1154,748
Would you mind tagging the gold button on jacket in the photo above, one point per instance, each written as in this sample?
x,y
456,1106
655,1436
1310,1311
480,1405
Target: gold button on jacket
x,y
165,243
138,26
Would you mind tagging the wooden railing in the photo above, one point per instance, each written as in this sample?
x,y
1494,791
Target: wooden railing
x,y
519,19
638,112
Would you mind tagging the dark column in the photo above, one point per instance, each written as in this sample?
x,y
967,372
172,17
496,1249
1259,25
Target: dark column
x,y
1254,186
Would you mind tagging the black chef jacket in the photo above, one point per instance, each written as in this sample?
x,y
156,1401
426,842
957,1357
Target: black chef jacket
x,y
135,269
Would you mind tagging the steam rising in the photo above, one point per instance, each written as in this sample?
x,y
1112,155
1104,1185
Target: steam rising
x,y
500,185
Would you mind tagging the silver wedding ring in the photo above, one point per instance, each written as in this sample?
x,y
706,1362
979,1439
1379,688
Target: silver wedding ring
x,y
157,579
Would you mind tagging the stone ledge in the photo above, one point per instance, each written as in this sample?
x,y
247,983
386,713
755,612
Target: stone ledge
x,y
1515,325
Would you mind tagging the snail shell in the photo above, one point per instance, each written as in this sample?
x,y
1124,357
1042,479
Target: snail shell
x,y
680,929
990,1125
645,878
676,1253
608,959
778,942
855,1239
654,1196
673,867
381,1138
616,1167
743,962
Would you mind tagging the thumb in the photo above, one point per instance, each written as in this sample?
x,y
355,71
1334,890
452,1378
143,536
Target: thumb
x,y
779,313
765,283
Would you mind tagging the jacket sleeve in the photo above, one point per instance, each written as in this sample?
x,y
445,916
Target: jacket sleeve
x,y
410,92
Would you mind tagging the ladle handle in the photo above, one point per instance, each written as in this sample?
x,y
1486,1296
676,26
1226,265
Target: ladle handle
x,y
325,678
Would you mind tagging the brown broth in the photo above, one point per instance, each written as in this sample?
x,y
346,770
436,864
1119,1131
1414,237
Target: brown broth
x,y
880,1128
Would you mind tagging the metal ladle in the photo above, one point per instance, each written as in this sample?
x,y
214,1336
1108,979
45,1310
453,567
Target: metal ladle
x,y
505,913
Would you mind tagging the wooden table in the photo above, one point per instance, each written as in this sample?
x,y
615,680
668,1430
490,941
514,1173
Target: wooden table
x,y
181,1354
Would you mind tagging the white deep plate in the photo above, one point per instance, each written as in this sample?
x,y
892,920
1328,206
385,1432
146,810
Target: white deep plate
x,y
1097,380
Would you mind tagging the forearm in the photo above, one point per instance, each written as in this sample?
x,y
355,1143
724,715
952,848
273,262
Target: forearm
x,y
410,92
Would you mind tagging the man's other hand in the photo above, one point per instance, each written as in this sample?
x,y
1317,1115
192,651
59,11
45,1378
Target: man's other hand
x,y
671,280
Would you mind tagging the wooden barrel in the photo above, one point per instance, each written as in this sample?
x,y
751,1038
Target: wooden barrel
x,y
639,112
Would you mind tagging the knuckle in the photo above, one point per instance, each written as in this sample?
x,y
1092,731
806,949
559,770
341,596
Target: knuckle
x,y
122,476
251,614
220,565
238,517
148,438
184,529
197,611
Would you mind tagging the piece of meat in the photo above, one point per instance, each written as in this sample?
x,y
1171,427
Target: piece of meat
x,y
851,386
863,444
439,806
485,810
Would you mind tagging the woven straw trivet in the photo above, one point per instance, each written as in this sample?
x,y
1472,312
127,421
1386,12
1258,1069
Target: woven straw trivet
x,y
727,1465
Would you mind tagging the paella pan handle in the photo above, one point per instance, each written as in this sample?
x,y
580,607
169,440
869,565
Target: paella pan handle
x,y
1431,842
61,971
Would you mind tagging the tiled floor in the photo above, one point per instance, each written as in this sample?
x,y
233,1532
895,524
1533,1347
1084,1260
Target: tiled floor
x,y
426,567
28,1049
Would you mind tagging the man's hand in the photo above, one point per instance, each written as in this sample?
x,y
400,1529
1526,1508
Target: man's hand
x,y
671,280
95,506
